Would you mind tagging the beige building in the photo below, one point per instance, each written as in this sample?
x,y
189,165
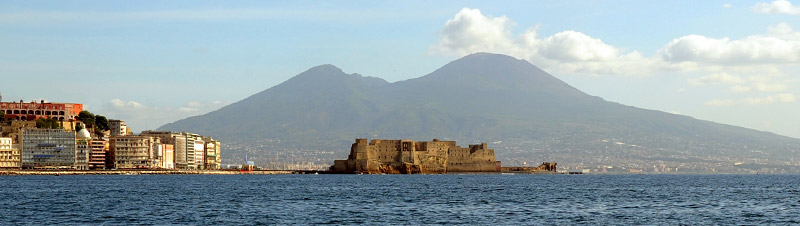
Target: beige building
x,y
83,149
9,154
212,152
179,145
97,158
166,156
192,147
118,128
407,156
134,151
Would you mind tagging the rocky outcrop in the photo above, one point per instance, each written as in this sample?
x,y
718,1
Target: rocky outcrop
x,y
545,167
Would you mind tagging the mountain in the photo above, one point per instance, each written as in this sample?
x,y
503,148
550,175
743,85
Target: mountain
x,y
526,113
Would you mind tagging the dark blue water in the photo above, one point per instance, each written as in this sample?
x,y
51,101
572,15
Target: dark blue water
x,y
400,199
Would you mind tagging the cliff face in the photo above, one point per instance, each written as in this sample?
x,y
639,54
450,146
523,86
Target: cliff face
x,y
409,157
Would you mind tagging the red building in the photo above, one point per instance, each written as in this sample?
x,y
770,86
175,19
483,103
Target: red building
x,y
32,111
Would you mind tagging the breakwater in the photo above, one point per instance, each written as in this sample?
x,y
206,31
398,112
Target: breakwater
x,y
141,172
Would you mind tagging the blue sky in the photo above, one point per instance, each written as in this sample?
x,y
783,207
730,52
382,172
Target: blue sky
x,y
150,63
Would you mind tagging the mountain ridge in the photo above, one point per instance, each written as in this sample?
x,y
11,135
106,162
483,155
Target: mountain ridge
x,y
480,97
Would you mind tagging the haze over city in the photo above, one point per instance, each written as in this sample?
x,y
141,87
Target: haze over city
x,y
729,62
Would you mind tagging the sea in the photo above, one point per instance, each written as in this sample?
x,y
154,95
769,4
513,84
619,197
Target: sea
x,y
400,199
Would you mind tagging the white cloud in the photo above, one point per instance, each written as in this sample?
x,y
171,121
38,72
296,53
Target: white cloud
x,y
187,109
716,78
201,107
763,83
741,89
469,32
570,51
194,104
777,6
754,63
727,5
125,105
780,45
782,98
769,87
573,46
720,103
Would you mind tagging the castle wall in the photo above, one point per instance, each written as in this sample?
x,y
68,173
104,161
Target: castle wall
x,y
407,157
475,158
432,157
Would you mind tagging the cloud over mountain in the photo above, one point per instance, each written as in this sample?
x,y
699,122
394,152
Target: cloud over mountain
x,y
753,63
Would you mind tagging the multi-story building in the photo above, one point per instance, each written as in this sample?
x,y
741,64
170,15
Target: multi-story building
x,y
9,154
118,128
165,156
191,149
47,148
211,158
134,151
179,146
97,158
32,111
199,152
83,149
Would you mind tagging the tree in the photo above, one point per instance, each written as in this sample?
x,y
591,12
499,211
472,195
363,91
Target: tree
x,y
47,123
86,117
101,122
2,115
78,127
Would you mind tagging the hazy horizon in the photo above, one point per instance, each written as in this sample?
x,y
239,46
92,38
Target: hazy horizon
x,y
150,64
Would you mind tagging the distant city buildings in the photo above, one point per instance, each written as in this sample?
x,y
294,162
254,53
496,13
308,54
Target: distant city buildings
x,y
176,143
23,145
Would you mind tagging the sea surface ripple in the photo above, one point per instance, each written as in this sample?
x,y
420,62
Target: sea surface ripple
x,y
400,199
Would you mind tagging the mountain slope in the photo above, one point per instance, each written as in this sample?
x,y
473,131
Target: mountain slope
x,y
480,97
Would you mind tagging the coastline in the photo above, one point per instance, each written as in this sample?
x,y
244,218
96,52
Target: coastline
x,y
139,172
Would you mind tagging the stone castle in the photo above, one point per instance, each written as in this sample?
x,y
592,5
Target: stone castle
x,y
409,157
